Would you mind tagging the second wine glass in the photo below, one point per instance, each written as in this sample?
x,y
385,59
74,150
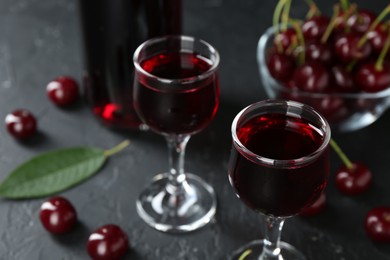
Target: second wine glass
x,y
176,94
278,166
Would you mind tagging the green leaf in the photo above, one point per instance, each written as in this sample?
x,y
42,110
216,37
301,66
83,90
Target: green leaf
x,y
55,171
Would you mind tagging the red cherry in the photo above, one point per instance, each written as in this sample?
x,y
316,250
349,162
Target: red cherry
x,y
314,28
108,242
377,224
371,79
58,215
320,52
280,66
333,108
317,207
62,91
343,80
285,38
347,50
21,123
377,38
340,22
312,77
291,92
355,180
361,21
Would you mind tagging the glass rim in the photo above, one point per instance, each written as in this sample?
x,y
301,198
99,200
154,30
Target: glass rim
x,y
181,81
278,163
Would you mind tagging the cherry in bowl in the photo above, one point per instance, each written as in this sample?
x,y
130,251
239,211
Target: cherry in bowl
x,y
355,109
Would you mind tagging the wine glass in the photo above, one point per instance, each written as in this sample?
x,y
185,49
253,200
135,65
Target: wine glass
x,y
176,94
279,165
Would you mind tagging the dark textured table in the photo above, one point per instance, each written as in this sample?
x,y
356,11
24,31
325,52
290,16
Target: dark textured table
x,y
41,39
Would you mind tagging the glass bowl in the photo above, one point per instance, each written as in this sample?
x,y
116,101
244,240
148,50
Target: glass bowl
x,y
345,111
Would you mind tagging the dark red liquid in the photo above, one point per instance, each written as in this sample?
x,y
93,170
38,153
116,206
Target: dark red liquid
x,y
276,191
112,30
185,110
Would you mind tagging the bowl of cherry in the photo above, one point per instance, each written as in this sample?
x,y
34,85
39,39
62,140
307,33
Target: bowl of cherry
x,y
340,65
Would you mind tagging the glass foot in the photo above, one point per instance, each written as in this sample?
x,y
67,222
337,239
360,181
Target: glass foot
x,y
254,250
177,211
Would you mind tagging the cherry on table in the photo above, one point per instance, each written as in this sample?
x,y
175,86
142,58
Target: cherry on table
x,y
317,207
21,123
62,91
343,80
377,224
353,180
108,242
58,215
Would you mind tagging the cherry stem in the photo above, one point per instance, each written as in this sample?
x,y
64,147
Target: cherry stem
x,y
293,46
301,41
351,10
351,65
275,21
344,4
331,25
245,254
341,154
117,148
313,9
374,24
277,14
382,55
285,15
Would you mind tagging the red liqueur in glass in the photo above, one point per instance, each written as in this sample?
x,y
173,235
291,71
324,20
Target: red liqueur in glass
x,y
278,191
186,110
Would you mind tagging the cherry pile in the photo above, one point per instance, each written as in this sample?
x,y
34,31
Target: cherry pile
x,y
347,52
109,242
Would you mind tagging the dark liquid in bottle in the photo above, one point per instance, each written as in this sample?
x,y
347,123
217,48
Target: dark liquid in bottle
x,y
185,111
278,192
112,30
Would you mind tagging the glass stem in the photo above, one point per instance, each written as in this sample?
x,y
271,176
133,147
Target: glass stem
x,y
271,249
176,149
